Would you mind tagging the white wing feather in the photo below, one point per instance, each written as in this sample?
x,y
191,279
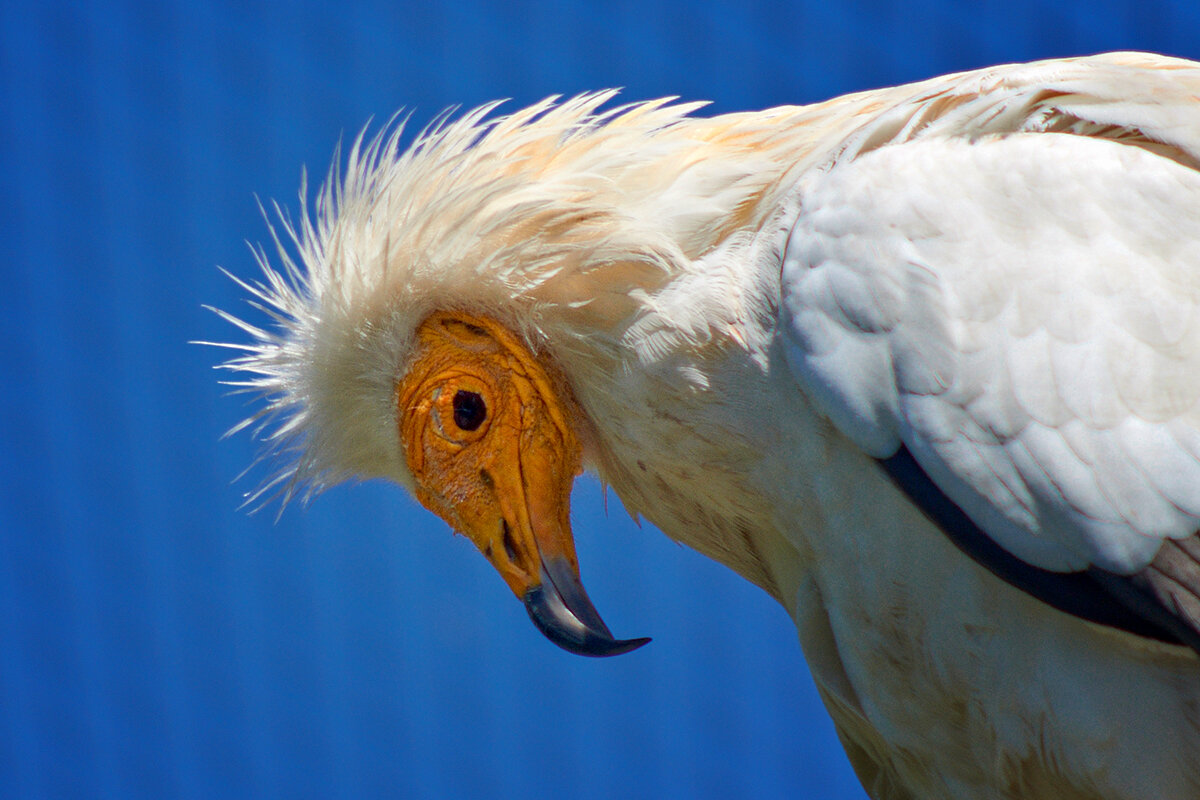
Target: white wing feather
x,y
1022,311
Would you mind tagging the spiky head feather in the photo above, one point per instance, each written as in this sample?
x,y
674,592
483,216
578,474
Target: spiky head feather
x,y
560,220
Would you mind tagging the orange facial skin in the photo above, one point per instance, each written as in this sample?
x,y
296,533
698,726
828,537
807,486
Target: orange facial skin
x,y
505,483
487,435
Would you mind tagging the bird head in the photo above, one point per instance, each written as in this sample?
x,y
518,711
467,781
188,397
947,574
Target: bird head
x,y
489,438
454,315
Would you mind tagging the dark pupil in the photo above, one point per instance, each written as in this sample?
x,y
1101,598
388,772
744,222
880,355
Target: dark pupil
x,y
469,410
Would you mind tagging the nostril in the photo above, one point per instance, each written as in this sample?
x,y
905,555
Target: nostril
x,y
485,478
510,546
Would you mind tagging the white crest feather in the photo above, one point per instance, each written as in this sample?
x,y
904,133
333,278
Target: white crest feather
x,y
556,213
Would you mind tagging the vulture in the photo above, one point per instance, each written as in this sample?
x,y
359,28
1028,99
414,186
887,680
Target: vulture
x,y
921,362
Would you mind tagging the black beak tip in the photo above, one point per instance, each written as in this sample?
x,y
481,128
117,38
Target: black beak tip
x,y
563,627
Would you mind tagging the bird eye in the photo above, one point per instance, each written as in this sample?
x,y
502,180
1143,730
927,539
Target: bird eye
x,y
469,410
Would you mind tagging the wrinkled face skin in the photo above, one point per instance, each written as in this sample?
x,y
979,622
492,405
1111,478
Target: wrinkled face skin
x,y
487,435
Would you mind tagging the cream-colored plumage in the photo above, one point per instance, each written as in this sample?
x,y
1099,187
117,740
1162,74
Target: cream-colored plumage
x,y
996,271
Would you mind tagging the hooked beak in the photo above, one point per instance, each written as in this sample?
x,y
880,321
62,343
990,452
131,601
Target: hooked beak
x,y
562,611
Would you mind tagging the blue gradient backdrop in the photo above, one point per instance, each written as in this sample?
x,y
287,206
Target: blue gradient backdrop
x,y
154,641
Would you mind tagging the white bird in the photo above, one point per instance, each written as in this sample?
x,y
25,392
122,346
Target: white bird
x,y
922,362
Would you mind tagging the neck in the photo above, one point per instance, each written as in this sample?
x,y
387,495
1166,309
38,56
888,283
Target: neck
x,y
688,387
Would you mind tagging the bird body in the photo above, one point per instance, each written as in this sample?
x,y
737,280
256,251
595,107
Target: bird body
x,y
788,338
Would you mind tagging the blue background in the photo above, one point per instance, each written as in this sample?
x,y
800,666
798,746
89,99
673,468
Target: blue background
x,y
157,642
